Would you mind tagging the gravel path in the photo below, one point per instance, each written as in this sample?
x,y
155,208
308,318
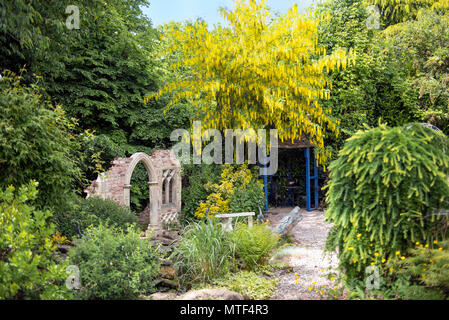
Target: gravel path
x,y
306,257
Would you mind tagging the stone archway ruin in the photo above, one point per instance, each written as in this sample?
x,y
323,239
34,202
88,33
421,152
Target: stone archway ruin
x,y
164,183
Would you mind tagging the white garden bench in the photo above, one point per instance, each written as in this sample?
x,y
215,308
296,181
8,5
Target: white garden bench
x,y
228,216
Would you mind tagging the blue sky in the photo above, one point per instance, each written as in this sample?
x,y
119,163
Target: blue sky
x,y
162,11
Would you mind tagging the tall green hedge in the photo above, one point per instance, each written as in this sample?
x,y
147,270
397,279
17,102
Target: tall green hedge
x,y
383,190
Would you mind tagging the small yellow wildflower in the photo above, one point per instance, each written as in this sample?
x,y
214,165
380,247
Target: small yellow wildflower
x,y
383,260
440,249
417,243
435,242
376,254
424,276
332,278
372,263
398,253
335,288
426,245
391,269
314,282
402,258
310,288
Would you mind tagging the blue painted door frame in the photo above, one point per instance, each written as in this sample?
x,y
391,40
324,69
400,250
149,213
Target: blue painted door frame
x,y
309,179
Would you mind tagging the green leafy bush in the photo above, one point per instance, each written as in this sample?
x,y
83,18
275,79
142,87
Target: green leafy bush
x,y
36,142
253,244
384,189
248,198
203,253
115,263
194,188
239,186
27,267
248,284
92,211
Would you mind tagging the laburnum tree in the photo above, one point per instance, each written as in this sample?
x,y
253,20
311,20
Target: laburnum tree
x,y
259,71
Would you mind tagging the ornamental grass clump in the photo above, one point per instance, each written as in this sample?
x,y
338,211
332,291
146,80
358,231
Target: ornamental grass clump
x,y
204,253
384,192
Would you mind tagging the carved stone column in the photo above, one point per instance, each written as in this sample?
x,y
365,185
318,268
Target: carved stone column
x,y
155,204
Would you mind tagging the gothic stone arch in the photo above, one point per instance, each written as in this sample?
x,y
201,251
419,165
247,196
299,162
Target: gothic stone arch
x,y
164,183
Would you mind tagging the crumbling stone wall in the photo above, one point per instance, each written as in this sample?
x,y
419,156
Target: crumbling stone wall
x,y
164,183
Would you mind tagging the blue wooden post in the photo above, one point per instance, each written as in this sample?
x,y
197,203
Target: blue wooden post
x,y
307,156
265,184
265,189
315,174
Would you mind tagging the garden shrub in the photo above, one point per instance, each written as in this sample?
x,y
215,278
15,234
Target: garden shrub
x,y
383,191
248,198
424,266
248,284
115,263
92,211
27,267
195,179
203,253
239,188
36,142
253,244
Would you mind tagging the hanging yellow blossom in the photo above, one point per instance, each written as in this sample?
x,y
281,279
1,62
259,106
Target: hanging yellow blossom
x,y
260,71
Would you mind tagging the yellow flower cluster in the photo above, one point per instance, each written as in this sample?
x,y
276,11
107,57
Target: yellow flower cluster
x,y
57,238
230,179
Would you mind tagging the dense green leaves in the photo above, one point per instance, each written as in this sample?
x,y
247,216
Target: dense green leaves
x,y
36,142
400,74
384,189
81,213
27,266
115,264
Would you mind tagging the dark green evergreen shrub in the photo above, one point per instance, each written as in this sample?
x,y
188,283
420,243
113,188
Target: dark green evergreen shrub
x,y
114,263
384,189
